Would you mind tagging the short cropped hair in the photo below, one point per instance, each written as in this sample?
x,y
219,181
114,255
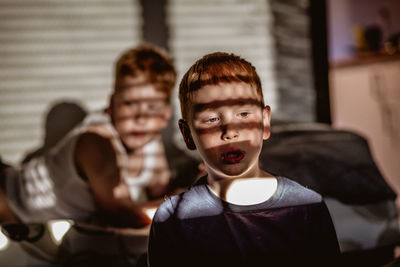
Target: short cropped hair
x,y
215,68
150,61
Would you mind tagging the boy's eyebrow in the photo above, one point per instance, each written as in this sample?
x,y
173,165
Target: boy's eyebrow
x,y
228,102
237,126
145,99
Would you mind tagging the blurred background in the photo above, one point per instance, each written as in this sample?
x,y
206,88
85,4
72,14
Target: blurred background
x,y
364,76
330,62
320,61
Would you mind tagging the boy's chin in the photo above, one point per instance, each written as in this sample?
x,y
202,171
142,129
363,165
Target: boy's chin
x,y
132,143
233,170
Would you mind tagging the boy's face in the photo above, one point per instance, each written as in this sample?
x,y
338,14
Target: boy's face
x,y
227,126
139,112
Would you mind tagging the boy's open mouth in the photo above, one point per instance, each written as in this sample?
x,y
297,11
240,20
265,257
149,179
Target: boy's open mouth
x,y
233,156
138,134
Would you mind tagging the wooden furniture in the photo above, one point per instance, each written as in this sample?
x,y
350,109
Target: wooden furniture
x,y
365,98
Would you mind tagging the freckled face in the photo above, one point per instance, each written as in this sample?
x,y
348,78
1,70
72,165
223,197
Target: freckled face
x,y
228,126
139,112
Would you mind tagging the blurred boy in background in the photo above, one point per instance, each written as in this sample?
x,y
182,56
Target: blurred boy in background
x,y
111,168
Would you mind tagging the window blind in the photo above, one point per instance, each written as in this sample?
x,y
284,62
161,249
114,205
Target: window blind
x,y
52,51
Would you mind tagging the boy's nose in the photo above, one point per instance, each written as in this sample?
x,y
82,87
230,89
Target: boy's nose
x,y
140,116
141,110
229,132
140,119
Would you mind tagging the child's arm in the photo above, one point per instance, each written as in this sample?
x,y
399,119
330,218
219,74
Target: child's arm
x,y
95,159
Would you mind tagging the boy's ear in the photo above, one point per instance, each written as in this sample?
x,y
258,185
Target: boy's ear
x,y
187,136
267,122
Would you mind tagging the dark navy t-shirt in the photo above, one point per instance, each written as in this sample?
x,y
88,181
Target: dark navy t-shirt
x,y
196,228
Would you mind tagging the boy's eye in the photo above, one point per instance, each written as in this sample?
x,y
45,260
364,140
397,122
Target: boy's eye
x,y
128,103
154,108
244,114
213,119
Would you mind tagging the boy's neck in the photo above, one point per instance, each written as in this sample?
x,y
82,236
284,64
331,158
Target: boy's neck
x,y
244,191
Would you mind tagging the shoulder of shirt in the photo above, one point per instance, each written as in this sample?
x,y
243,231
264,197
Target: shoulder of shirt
x,y
293,194
189,204
167,208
